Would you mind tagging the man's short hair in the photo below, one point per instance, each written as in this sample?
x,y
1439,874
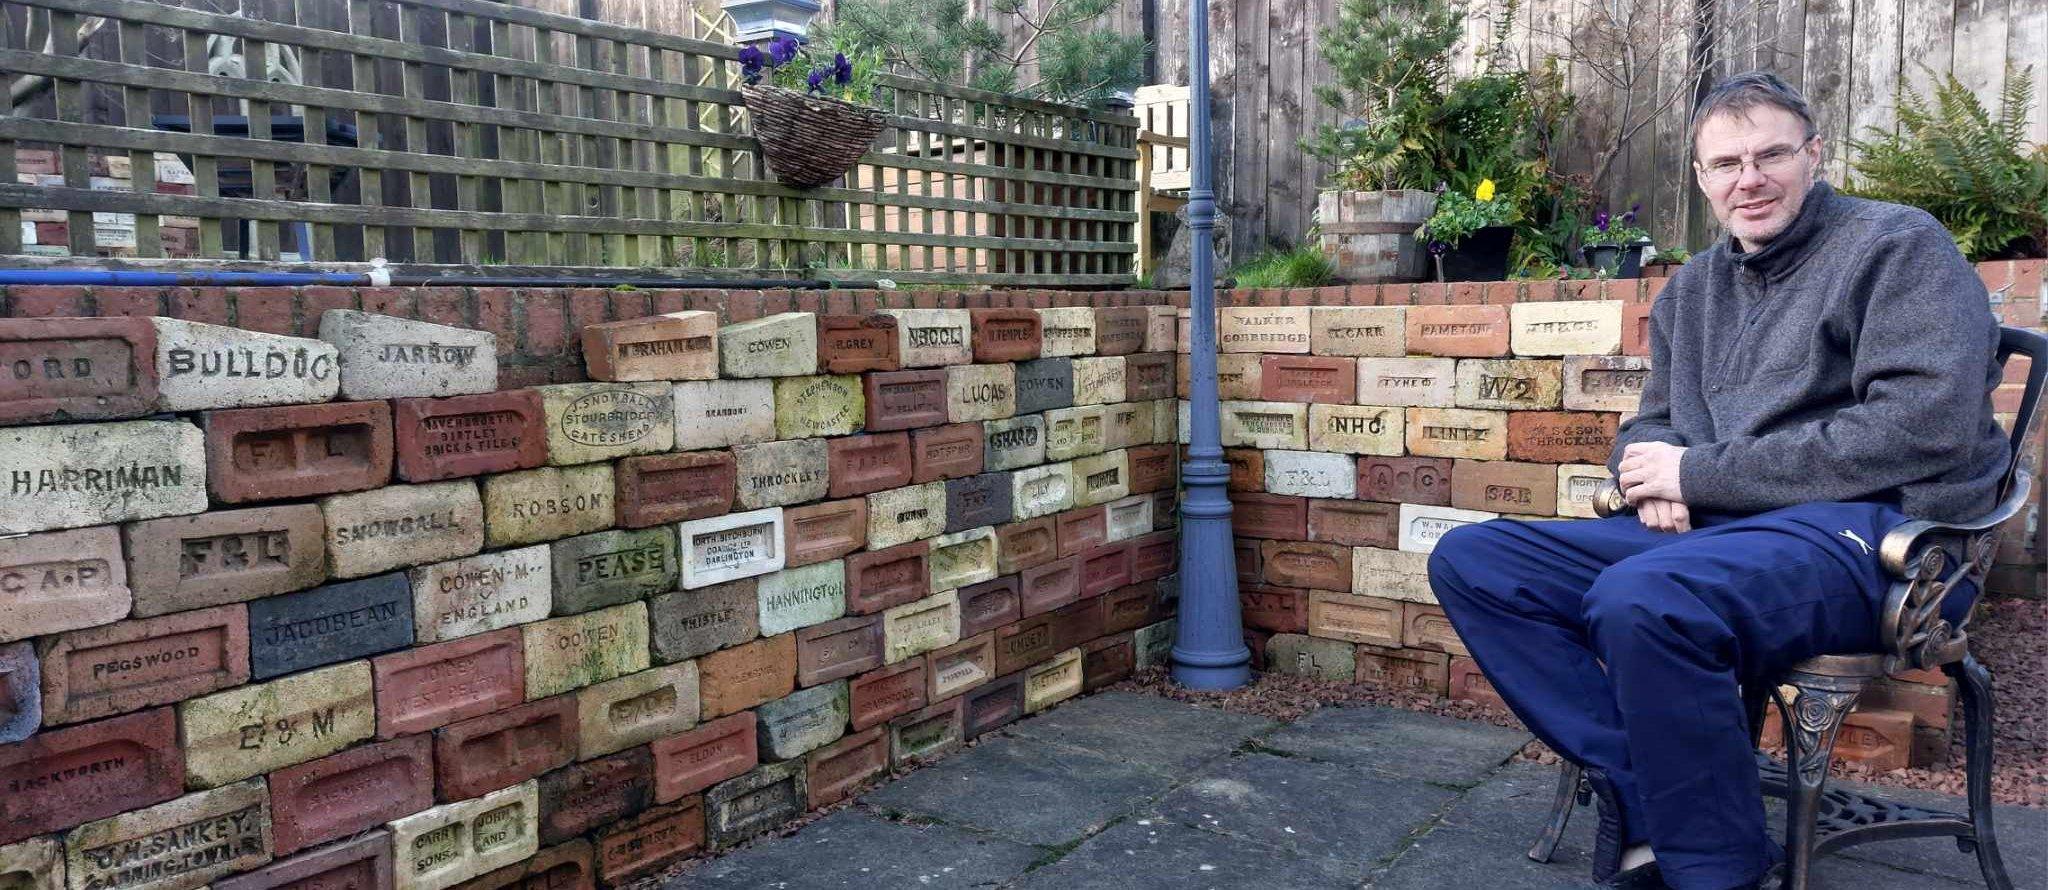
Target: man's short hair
x,y
1742,93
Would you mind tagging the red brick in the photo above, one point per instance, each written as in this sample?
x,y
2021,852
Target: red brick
x,y
953,451
362,863
1247,469
1269,515
1154,556
1879,739
356,790
1411,670
583,796
1006,335
1635,329
1354,523
659,488
992,705
496,312
115,668
223,556
560,867
71,369
64,777
989,605
1505,487
1468,683
1105,568
1075,623
1048,586
398,301
610,353
1405,480
732,680
1153,468
643,844
886,693
1276,609
1425,627
1021,545
544,312
483,754
902,400
689,762
266,309
1081,529
863,464
1149,376
881,579
822,531
1561,437
1307,564
468,435
1930,706
1120,330
834,771
960,667
1129,607
1468,331
1308,378
134,302
48,301
433,686
851,344
1248,556
1024,643
297,451
839,648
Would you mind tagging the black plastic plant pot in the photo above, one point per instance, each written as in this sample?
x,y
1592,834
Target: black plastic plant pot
x,y
1616,260
1481,257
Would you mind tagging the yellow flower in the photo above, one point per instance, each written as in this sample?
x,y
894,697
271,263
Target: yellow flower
x,y
1485,190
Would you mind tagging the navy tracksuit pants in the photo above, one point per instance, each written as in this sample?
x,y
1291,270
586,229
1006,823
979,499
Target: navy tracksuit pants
x,y
1622,649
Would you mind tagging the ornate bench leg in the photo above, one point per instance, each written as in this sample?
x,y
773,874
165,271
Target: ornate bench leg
x,y
1568,794
1974,681
1812,720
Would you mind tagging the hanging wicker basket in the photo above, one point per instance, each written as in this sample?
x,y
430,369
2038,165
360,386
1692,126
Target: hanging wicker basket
x,y
809,140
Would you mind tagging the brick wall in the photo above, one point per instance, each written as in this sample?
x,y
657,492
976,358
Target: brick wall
x,y
369,608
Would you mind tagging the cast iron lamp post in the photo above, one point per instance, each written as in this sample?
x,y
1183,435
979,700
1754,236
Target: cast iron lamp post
x,y
1208,647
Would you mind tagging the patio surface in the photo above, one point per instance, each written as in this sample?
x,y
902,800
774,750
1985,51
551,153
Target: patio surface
x,y
1120,790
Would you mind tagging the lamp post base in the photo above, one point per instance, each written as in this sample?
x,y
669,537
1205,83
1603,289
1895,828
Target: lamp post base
x,y
1212,672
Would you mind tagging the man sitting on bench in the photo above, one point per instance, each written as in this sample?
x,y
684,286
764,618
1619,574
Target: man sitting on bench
x,y
1821,374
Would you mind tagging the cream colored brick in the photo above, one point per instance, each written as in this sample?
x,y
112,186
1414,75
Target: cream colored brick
x,y
1265,425
1068,330
1392,574
919,627
1263,329
1422,526
1457,432
444,846
1579,327
1576,485
251,730
1052,682
1356,429
1358,330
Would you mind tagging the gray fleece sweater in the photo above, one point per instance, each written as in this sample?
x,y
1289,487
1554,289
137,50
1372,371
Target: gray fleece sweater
x,y
1848,360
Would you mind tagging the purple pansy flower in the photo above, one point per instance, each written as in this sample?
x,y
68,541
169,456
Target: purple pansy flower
x,y
1438,248
842,70
1600,220
782,49
1629,218
816,80
750,63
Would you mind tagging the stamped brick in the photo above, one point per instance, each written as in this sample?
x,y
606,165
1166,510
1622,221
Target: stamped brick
x,y
689,623
223,557
1021,545
432,686
1154,643
468,435
1104,569
1055,681
1468,683
131,665
21,699
834,771
906,514
675,346
980,392
1274,609
1391,574
612,567
362,862
1281,517
902,400
402,525
918,627
1079,530
383,357
1108,661
583,796
1505,487
59,581
1356,429
461,597
1318,379
1098,381
1421,526
1604,383
636,709
1408,382
589,422
1048,586
926,733
1307,656
1358,330
1149,376
1307,565
1074,432
976,501
1353,524
1577,485
572,652
1247,469
825,405
837,649
781,345
1006,335
1120,330
328,624
722,413
1044,384
1239,376
886,693
689,762
203,366
65,370
350,792
1152,468
736,545
251,730
864,464
850,344
260,454
1154,556
933,338
1419,480
1575,327
1161,329
880,579
946,452
989,605
1457,432
800,597
663,488
1131,607
992,705
1265,424
1357,619
1068,330
1509,384
1424,626
453,842
1014,443
67,476
639,846
1463,331
153,841
818,532
962,558
566,866
1024,643
1100,478
1262,329
742,677
1127,424
62,777
1312,474
1557,437
760,800
960,667
1413,670
501,749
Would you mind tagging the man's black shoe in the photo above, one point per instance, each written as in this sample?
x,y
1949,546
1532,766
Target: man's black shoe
x,y
1609,840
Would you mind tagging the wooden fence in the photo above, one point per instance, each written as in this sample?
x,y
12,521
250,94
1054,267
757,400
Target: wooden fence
x,y
467,131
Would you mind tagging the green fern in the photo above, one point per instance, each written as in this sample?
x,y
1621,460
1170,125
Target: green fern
x,y
1972,170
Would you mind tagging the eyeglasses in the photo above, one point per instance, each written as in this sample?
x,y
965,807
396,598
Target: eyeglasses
x,y
1770,162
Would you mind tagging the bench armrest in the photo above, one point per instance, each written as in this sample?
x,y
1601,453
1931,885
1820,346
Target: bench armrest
x,y
1927,560
1609,502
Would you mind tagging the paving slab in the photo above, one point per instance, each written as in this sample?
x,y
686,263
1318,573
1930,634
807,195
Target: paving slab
x,y
855,849
1400,743
1483,840
1307,807
1144,730
1023,790
1156,853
